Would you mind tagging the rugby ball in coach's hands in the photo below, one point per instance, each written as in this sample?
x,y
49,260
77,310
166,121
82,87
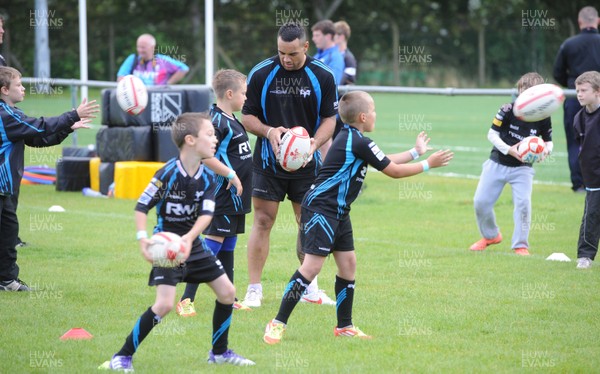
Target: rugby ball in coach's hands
x,y
538,102
531,149
294,148
167,250
132,94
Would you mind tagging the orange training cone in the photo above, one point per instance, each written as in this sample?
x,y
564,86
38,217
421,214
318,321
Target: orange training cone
x,y
76,333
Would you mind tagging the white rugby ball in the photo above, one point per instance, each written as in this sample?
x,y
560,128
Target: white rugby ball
x,y
531,149
538,102
294,148
167,250
132,94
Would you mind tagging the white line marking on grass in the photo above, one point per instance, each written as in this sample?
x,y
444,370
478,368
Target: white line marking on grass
x,y
471,176
461,148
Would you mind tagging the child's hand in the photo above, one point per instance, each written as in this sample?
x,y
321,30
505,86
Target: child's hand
x,y
187,245
144,245
421,146
83,124
87,110
237,183
514,152
545,154
440,158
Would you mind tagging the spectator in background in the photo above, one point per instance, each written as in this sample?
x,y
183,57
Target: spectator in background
x,y
342,34
327,52
152,69
577,54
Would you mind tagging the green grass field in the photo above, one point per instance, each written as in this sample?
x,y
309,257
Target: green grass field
x,y
431,305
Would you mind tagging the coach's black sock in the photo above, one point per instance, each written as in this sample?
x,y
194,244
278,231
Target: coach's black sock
x,y
221,321
190,291
291,296
344,292
142,328
226,258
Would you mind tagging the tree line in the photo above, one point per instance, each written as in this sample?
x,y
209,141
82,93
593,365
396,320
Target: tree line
x,y
468,43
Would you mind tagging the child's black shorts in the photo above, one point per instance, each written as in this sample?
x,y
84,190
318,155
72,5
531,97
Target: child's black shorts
x,y
226,225
204,270
320,235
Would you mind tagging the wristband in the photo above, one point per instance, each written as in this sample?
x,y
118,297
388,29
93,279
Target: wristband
x,y
268,131
142,234
414,153
231,174
425,165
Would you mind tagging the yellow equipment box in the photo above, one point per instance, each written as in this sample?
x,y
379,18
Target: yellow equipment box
x,y
95,173
132,177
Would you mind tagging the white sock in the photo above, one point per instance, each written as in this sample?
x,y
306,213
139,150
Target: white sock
x,y
256,286
313,286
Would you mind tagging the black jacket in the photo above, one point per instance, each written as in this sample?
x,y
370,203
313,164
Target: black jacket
x,y
18,130
578,54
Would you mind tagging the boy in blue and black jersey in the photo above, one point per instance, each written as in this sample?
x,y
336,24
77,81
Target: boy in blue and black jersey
x,y
183,194
325,220
17,130
232,205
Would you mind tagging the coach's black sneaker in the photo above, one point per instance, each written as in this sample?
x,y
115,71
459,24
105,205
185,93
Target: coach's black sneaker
x,y
14,285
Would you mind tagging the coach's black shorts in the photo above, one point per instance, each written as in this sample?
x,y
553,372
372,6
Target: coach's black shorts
x,y
204,270
226,225
320,235
269,187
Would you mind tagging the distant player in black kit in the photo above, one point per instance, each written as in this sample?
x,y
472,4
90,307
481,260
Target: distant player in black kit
x,y
233,150
183,194
284,91
325,222
505,166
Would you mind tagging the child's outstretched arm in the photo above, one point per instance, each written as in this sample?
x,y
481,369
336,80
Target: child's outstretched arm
x,y
435,160
420,148
86,109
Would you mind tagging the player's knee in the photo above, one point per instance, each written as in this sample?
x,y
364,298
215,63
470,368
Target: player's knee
x,y
227,294
162,308
263,220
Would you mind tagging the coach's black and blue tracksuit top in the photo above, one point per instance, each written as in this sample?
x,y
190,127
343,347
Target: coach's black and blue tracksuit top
x,y
18,130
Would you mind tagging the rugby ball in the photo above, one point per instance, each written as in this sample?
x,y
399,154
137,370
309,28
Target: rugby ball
x,y
167,250
132,95
294,148
531,149
538,102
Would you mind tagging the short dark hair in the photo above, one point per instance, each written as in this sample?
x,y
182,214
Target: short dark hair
x,y
292,31
187,124
325,26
